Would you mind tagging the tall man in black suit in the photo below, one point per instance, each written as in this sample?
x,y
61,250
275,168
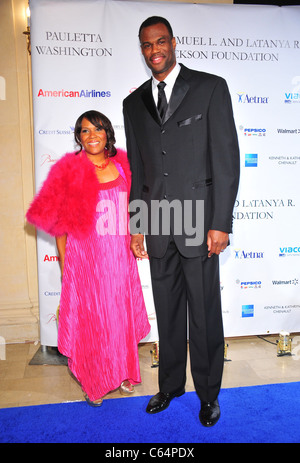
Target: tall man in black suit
x,y
184,151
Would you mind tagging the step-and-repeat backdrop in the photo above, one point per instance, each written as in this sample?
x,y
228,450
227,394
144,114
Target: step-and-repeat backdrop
x,y
85,55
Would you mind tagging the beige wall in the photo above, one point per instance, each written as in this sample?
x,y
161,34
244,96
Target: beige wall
x,y
18,275
18,269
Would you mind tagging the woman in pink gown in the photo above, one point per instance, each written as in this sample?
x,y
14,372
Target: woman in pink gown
x,y
102,316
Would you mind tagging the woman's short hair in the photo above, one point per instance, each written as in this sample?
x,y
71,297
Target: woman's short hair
x,y
101,121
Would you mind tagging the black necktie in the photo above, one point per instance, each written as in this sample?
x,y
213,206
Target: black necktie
x,y
162,100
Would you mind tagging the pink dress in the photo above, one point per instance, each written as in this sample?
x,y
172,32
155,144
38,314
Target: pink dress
x,y
102,313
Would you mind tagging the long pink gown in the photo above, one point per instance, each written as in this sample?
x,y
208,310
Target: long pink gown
x,y
102,313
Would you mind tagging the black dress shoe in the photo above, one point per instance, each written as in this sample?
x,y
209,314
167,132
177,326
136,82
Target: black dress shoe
x,y
161,401
209,413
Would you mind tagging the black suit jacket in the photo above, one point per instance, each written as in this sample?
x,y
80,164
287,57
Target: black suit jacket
x,y
191,155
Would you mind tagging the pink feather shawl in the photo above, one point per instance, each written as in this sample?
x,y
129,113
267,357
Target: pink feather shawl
x,y
67,200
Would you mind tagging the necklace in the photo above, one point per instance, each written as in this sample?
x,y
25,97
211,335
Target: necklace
x,y
102,166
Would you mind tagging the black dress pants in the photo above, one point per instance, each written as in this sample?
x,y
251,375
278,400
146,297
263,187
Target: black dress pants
x,y
180,286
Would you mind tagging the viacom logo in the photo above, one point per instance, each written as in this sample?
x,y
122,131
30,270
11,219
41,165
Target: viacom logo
x,y
289,251
292,97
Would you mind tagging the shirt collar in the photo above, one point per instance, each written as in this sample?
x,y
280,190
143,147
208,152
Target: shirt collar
x,y
170,79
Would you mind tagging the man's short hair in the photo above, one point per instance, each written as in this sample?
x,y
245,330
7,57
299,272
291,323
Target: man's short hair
x,y
156,20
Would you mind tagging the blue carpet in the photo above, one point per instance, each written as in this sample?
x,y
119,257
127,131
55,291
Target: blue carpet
x,y
259,414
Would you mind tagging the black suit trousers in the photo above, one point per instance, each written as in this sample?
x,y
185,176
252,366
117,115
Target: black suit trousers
x,y
187,300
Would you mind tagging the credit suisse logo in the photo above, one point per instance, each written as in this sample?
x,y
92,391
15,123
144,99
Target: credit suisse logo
x,y
65,131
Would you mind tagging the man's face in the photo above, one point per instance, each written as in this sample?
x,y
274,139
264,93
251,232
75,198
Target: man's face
x,y
158,49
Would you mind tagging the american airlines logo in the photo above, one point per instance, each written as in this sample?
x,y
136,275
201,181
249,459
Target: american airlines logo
x,y
74,93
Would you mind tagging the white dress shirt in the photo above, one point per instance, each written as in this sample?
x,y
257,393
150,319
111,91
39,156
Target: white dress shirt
x,y
169,81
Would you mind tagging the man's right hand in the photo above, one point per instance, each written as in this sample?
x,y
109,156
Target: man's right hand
x,y
137,246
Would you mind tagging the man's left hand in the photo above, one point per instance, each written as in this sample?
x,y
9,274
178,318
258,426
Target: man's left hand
x,y
217,241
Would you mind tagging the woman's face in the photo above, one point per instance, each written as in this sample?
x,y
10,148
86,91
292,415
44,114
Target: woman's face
x,y
93,139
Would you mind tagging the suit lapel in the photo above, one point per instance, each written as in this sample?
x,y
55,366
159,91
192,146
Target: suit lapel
x,y
180,89
149,102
